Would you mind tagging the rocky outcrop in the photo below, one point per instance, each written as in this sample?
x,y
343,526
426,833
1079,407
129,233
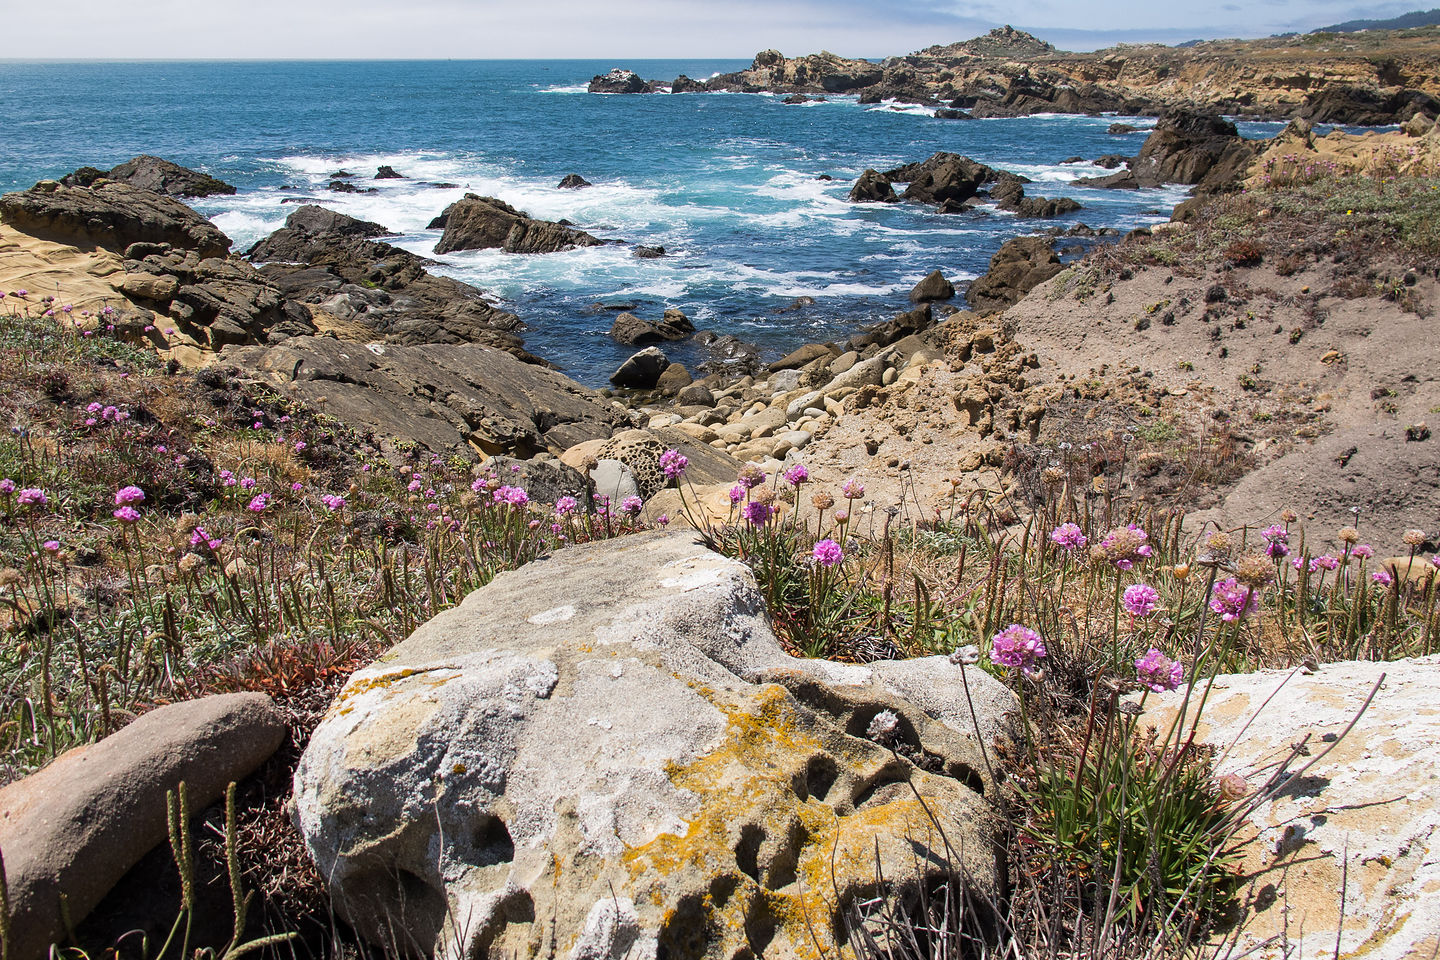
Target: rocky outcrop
x,y
387,172
171,179
1017,267
942,178
463,400
1011,73
72,830
684,84
818,73
368,289
110,215
573,181
630,329
619,80
1365,106
589,748
484,223
1192,148
216,301
872,187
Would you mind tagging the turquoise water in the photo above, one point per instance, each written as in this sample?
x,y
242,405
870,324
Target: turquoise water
x,y
725,182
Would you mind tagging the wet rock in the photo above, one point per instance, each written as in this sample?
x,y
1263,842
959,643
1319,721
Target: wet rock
x,y
619,80
802,356
481,223
872,187
673,380
642,370
573,181
1120,129
933,287
387,172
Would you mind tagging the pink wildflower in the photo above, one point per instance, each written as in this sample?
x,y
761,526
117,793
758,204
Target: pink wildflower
x,y
1141,599
1069,537
128,495
126,514
1232,600
673,462
1017,646
1159,672
827,553
797,475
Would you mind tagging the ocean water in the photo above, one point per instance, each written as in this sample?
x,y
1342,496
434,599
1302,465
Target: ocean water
x,y
726,183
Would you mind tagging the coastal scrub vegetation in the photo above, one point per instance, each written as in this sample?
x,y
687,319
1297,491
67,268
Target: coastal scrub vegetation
x,y
169,535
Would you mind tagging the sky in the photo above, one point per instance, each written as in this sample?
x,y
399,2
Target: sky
x,y
620,29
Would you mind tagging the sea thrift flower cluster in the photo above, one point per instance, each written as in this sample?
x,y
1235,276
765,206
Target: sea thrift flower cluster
x,y
673,462
1276,540
1017,646
750,477
797,475
129,495
1140,600
758,513
1069,537
827,553
1159,672
1232,600
631,506
852,489
32,497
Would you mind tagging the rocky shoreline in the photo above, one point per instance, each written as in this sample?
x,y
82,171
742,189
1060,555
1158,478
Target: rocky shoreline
x,y
1383,77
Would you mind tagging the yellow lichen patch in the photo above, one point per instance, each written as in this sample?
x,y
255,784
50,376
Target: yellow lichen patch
x,y
802,849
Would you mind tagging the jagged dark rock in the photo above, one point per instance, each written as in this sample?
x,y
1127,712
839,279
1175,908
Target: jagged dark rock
x,y
573,181
872,187
387,172
171,179
619,80
642,370
933,287
333,263
481,223
1017,267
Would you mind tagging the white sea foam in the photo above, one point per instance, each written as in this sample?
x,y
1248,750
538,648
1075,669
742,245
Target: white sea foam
x,y
563,88
894,106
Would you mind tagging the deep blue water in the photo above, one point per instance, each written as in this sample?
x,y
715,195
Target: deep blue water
x,y
726,183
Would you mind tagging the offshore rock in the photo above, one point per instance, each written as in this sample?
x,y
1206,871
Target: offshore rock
x,y
481,223
171,179
606,753
872,187
642,370
619,81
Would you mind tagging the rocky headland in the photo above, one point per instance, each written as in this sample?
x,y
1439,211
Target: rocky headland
x,y
1377,77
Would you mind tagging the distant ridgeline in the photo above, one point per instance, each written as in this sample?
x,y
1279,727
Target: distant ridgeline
x,y
1415,18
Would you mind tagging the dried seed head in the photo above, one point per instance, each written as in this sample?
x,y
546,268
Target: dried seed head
x,y
1349,535
1052,476
823,501
1288,516
884,727
1413,538
1255,570
1220,544
1180,571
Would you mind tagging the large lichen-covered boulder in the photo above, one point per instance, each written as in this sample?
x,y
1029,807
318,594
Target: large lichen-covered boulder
x,y
607,753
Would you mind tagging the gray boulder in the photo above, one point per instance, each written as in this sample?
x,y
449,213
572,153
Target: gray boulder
x,y
589,748
872,187
74,828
